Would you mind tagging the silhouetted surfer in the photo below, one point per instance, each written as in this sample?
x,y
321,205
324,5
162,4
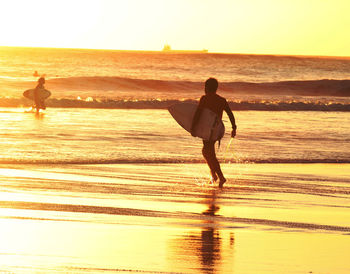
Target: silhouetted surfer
x,y
38,101
217,104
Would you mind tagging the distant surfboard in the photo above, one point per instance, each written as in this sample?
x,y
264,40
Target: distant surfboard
x,y
43,94
209,126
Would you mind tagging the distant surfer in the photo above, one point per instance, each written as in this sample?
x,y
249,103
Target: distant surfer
x,y
217,104
38,95
39,102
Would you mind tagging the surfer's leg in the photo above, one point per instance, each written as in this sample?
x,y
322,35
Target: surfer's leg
x,y
213,163
214,177
37,104
208,152
42,104
218,171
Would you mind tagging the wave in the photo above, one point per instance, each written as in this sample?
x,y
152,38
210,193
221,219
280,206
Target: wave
x,y
110,85
124,93
122,84
325,87
273,105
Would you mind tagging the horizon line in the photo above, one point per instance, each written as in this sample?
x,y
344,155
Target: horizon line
x,y
175,51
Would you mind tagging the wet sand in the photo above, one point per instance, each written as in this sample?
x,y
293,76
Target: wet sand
x,y
268,218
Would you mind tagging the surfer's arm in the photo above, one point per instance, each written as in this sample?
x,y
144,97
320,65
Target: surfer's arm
x,y
232,119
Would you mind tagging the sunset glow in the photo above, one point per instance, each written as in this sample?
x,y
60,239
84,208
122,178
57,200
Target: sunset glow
x,y
253,26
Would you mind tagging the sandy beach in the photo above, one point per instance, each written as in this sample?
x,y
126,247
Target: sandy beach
x,y
268,218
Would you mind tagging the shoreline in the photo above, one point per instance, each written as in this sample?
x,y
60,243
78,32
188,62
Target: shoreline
x,y
155,104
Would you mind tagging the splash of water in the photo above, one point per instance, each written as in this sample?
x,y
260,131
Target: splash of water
x,y
227,149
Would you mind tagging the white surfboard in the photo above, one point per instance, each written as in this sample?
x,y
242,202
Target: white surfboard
x,y
209,126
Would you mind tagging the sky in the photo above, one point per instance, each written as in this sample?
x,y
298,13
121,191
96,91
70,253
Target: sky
x,y
293,27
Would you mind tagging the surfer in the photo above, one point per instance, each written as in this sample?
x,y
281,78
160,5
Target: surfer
x,y
38,101
217,104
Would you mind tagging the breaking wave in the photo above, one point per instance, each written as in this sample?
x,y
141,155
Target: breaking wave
x,y
127,93
324,87
274,105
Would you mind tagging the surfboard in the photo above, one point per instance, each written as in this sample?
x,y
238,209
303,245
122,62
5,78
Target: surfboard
x,y
43,94
209,126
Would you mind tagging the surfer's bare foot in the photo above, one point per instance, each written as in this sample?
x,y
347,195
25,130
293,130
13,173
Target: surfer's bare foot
x,y
222,181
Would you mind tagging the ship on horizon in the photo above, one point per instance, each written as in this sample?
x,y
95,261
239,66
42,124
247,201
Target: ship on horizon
x,y
167,48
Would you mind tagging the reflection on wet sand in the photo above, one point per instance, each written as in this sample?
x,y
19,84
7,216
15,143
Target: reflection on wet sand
x,y
207,250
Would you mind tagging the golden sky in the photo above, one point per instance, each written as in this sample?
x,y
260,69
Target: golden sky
x,y
298,27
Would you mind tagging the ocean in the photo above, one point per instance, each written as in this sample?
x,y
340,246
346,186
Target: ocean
x,y
105,180
122,79
110,106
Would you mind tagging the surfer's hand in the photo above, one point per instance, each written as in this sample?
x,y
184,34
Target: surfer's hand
x,y
233,133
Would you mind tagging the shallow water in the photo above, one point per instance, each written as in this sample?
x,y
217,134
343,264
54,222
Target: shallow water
x,y
153,136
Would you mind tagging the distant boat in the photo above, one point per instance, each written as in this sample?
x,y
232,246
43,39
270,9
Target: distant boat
x,y
167,48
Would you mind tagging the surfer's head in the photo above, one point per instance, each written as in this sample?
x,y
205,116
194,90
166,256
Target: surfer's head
x,y
41,80
211,85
